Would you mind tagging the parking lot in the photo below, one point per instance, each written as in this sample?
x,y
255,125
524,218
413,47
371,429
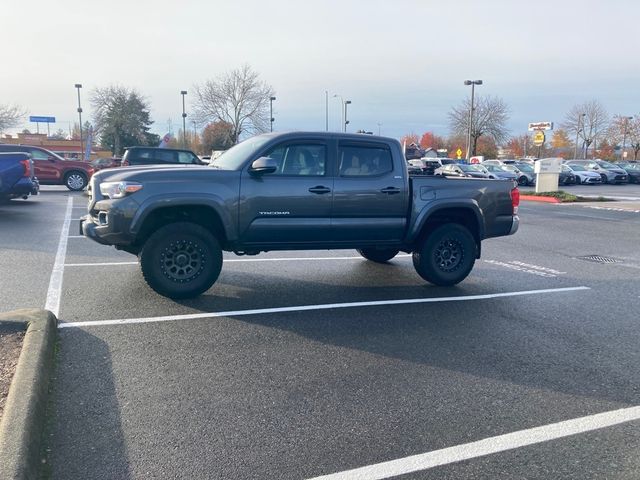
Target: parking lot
x,y
303,364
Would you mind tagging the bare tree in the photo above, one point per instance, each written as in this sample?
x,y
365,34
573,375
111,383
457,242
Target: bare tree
x,y
633,135
238,98
490,115
10,116
588,122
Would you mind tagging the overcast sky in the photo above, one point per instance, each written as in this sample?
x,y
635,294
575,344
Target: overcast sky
x,y
401,63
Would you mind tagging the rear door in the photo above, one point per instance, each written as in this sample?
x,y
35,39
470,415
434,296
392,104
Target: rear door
x,y
293,204
370,195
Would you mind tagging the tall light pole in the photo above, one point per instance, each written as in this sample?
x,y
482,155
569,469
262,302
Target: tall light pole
x,y
624,137
326,109
346,102
473,83
341,108
379,125
184,121
575,149
78,87
271,119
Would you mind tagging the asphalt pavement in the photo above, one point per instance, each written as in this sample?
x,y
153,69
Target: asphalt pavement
x,y
302,364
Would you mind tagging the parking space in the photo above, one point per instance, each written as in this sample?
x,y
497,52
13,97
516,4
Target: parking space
x,y
301,364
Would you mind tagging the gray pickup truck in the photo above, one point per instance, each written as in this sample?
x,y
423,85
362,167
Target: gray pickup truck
x,y
295,191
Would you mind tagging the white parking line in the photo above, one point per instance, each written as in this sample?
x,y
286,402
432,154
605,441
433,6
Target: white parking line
x,y
55,282
77,236
527,268
232,260
488,446
303,308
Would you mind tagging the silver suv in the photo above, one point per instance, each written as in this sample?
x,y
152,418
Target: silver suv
x,y
608,172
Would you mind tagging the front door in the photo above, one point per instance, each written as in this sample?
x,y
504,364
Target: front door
x,y
291,205
370,195
47,168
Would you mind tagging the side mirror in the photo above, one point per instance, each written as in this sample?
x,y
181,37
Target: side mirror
x,y
51,159
263,165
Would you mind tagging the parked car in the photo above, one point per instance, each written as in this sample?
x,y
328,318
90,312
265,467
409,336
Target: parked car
x,y
500,171
584,176
52,169
524,171
353,192
17,178
566,177
413,152
608,172
633,171
454,170
101,163
427,166
527,171
159,156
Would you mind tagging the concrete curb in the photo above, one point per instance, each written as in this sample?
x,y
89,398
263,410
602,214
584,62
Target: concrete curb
x,y
536,198
24,415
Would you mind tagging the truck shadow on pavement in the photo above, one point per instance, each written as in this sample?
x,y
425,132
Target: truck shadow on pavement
x,y
84,437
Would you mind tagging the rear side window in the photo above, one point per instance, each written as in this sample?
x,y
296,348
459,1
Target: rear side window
x,y
186,157
38,154
364,160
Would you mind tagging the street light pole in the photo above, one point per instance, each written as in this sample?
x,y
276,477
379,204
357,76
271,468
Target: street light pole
x,y
271,119
184,121
575,149
78,87
346,102
624,137
326,109
341,107
379,125
473,83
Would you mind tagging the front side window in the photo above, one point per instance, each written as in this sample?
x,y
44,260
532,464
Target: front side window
x,y
364,161
300,159
39,154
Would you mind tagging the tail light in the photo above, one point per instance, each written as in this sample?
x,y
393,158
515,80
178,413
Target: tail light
x,y
515,199
124,163
27,167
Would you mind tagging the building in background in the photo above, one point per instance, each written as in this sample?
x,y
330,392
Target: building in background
x,y
65,148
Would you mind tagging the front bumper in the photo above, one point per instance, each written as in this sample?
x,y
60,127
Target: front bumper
x,y
105,229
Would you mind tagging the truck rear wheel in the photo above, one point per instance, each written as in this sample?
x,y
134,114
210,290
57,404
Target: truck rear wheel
x,y
181,260
447,255
378,255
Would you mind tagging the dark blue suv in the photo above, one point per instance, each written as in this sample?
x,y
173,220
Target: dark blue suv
x,y
17,177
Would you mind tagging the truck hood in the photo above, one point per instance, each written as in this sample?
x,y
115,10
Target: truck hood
x,y
152,172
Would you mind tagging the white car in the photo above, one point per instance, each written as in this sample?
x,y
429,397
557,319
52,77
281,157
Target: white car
x,y
584,176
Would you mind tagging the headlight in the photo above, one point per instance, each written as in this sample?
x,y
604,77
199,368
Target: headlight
x,y
119,189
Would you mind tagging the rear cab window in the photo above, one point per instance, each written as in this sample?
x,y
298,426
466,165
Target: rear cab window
x,y
364,160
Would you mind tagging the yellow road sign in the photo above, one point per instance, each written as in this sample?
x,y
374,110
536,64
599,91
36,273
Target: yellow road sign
x,y
538,138
459,154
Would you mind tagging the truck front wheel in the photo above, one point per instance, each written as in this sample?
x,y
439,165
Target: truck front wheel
x,y
181,260
446,256
378,255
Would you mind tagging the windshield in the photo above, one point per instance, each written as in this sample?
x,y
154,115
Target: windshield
x,y
472,168
525,167
233,158
606,164
577,168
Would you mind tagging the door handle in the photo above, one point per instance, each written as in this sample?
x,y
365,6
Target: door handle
x,y
319,189
390,190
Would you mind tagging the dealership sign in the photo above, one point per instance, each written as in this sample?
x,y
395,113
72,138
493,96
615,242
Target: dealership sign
x,y
540,126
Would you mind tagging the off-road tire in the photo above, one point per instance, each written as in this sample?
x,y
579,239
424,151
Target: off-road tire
x,y
378,255
181,260
446,256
